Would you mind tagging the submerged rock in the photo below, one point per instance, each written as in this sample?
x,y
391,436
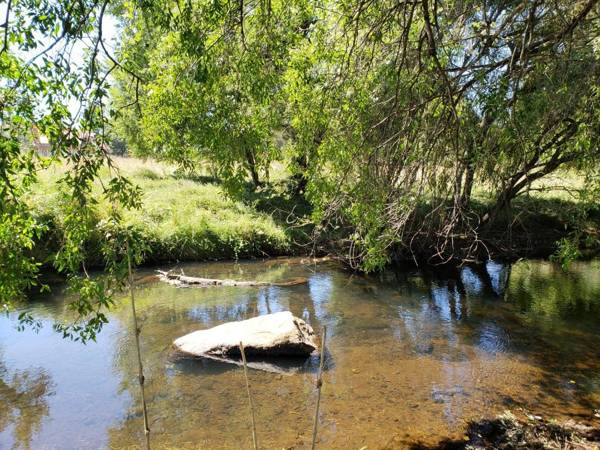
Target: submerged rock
x,y
507,432
272,335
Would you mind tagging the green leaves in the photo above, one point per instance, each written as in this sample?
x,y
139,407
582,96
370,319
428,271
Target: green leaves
x,y
52,98
215,89
18,268
388,115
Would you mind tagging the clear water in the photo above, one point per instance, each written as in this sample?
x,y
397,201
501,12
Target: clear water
x,y
411,356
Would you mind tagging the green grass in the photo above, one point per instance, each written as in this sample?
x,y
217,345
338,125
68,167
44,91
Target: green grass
x,y
181,218
189,217
544,218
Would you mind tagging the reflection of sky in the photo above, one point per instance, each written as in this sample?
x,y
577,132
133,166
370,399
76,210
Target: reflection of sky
x,y
492,338
430,329
471,281
441,298
82,405
452,392
220,313
434,318
498,273
320,286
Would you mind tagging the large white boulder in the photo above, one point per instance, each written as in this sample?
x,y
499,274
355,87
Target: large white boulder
x,y
279,334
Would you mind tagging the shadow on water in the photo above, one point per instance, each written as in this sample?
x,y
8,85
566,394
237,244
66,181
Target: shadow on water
x,y
279,365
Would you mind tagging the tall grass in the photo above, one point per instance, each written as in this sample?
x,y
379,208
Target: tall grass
x,y
181,218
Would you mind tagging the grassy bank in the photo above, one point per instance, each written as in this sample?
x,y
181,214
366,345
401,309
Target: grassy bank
x,y
182,218
552,218
190,218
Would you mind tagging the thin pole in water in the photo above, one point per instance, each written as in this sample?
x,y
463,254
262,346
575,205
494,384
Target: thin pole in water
x,y
254,440
139,353
319,384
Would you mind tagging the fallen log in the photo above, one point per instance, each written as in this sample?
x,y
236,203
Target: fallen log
x,y
182,280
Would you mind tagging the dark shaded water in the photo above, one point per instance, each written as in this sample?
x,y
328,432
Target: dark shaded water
x,y
411,356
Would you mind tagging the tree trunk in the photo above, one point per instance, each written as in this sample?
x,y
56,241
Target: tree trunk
x,y
301,178
465,198
252,168
303,162
534,170
520,181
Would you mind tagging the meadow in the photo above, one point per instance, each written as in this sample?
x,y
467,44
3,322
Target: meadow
x,y
183,217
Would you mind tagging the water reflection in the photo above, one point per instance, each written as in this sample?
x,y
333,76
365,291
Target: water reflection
x,y
472,282
499,275
23,403
420,351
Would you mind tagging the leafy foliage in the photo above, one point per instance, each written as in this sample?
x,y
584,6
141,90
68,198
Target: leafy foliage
x,y
391,117
391,114
39,86
213,85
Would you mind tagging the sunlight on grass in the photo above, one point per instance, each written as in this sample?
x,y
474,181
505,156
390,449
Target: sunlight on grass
x,y
181,219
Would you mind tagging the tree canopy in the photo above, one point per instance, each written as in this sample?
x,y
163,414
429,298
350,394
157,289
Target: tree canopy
x,y
388,114
391,111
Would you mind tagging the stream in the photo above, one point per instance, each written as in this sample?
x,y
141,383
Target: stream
x,y
412,356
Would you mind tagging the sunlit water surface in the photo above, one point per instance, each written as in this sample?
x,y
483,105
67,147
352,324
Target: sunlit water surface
x,y
411,356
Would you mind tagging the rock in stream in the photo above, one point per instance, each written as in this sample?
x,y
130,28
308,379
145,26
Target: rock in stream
x,y
266,340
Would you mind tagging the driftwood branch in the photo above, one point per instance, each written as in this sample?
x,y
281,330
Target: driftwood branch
x,y
183,280
136,330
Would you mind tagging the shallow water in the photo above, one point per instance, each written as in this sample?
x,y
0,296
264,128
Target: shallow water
x,y
411,356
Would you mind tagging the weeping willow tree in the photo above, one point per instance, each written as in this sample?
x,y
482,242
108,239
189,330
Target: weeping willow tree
x,y
393,112
213,84
422,101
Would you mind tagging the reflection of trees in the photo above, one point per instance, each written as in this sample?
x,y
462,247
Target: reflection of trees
x,y
23,403
545,289
455,320
533,309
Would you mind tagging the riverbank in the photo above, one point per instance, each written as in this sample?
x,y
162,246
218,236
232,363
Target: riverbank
x,y
183,218
508,432
190,218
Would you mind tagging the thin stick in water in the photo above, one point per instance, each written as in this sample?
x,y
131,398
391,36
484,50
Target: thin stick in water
x,y
319,385
136,331
254,440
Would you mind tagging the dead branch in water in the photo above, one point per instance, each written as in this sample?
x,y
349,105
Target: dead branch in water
x,y
183,280
136,329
